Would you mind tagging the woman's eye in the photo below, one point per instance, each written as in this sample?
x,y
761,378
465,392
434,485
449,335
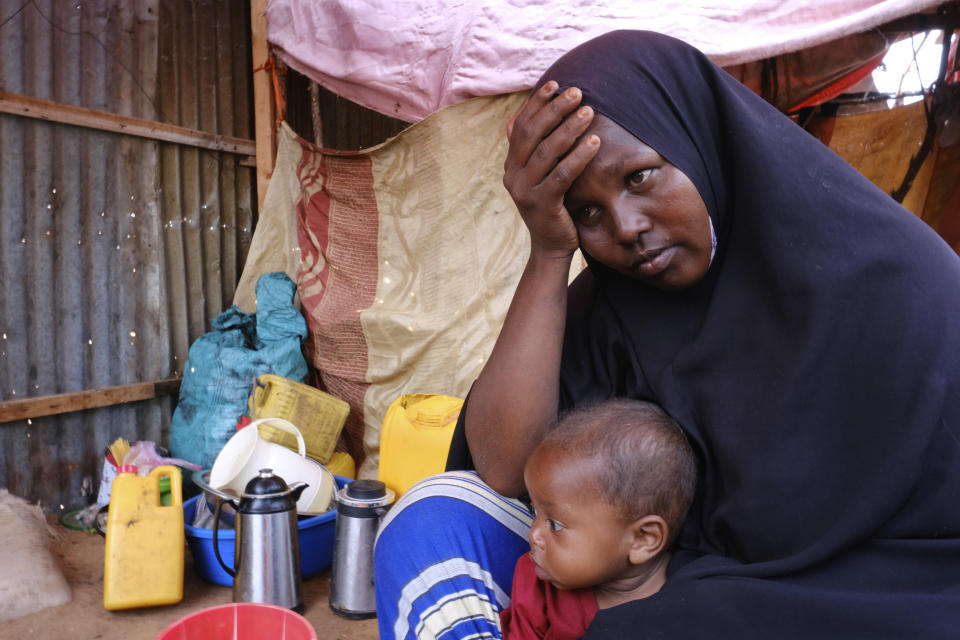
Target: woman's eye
x,y
586,215
638,177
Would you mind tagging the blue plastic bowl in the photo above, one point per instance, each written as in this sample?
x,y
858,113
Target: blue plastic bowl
x,y
316,543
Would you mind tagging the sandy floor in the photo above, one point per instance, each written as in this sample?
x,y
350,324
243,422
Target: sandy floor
x,y
80,556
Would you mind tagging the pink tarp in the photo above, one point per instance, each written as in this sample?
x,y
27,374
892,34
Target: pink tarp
x,y
408,58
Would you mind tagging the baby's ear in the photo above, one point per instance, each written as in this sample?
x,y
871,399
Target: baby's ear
x,y
648,537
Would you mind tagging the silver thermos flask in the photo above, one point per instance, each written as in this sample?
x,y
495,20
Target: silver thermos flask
x,y
360,506
267,550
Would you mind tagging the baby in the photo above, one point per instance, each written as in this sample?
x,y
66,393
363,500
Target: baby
x,y
610,485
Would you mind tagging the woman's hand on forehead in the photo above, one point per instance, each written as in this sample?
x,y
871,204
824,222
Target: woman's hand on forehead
x,y
545,157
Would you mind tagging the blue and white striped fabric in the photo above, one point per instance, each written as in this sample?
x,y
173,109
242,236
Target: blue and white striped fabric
x,y
444,559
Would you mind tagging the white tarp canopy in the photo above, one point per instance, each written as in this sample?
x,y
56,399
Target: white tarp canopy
x,y
409,58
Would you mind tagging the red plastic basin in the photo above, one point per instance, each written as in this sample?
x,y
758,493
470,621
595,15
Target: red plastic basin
x,y
241,621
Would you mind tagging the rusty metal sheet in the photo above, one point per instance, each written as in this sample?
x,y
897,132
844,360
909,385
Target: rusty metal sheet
x,y
115,252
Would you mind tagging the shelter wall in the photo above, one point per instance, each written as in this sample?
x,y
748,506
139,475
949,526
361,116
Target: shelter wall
x,y
116,250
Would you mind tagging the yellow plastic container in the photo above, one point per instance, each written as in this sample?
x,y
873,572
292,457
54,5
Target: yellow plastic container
x,y
318,415
342,464
143,566
415,438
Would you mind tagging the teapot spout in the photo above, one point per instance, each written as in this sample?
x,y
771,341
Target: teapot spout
x,y
296,489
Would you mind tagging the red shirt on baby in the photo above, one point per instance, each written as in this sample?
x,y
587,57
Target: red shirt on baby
x,y
540,610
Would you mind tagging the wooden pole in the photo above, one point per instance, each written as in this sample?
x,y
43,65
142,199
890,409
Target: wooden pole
x,y
29,107
315,114
13,410
265,114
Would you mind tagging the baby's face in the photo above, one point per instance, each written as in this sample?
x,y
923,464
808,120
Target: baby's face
x,y
577,540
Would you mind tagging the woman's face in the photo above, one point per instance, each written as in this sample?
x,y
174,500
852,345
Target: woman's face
x,y
639,214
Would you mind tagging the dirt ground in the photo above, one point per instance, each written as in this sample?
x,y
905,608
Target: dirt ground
x,y
80,556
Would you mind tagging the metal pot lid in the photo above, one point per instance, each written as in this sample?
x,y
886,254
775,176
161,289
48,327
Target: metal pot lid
x,y
269,493
366,494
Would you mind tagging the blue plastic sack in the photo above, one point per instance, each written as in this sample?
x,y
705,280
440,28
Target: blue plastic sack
x,y
223,364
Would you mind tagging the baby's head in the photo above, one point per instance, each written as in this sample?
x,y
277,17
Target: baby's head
x,y
643,463
611,484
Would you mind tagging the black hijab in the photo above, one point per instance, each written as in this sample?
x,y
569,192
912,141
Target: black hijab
x,y
816,370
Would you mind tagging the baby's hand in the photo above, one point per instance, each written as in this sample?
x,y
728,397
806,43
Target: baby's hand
x,y
543,161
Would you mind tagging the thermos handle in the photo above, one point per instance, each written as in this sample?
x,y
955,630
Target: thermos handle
x,y
216,544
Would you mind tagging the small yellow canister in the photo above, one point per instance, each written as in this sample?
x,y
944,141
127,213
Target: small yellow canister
x,y
415,438
143,565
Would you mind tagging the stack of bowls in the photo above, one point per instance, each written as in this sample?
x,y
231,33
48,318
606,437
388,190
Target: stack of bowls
x,y
246,453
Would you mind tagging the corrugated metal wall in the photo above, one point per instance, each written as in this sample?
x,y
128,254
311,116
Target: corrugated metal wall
x,y
115,251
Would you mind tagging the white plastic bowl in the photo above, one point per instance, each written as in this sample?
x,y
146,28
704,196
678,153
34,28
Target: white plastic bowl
x,y
246,453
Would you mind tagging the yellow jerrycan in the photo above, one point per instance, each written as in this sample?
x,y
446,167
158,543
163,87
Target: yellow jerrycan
x,y
143,566
318,415
415,438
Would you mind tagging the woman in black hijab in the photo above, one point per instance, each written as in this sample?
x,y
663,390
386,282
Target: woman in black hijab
x,y
797,322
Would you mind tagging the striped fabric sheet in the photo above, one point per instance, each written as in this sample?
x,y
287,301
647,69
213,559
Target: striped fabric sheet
x,y
405,255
